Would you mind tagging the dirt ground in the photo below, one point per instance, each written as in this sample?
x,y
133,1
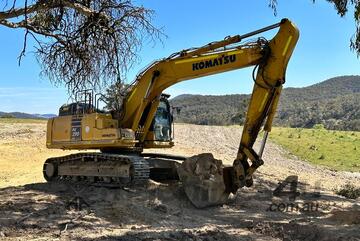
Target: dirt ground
x,y
31,209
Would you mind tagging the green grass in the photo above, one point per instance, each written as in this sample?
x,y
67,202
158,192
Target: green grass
x,y
19,120
338,150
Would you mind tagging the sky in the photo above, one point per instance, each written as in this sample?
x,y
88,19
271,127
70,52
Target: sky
x,y
322,51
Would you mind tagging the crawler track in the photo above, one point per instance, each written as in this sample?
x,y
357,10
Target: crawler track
x,y
97,168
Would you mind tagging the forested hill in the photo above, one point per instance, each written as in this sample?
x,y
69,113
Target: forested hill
x,y
333,103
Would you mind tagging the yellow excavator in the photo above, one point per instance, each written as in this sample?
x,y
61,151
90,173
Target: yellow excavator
x,y
145,119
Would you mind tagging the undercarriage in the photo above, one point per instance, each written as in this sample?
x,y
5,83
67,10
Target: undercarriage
x,y
108,169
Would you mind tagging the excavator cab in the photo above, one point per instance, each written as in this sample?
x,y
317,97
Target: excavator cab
x,y
161,130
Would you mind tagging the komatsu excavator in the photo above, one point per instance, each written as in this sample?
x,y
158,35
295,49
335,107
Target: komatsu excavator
x,y
145,119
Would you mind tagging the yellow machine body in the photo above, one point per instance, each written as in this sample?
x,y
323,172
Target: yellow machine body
x,y
88,131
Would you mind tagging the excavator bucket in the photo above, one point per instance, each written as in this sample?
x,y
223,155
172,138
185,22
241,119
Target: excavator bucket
x,y
203,179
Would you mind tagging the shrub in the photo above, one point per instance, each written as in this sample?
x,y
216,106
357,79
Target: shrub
x,y
7,116
319,126
349,191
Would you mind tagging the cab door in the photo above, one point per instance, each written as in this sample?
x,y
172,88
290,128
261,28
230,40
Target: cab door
x,y
162,123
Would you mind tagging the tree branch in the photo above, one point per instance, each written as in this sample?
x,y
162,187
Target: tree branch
x,y
27,25
90,44
17,12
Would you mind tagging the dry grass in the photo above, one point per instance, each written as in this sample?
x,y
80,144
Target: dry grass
x,y
23,151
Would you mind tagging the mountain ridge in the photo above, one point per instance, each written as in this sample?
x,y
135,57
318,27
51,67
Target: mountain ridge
x,y
333,103
23,115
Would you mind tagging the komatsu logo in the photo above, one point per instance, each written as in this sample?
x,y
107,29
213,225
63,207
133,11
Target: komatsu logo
x,y
225,59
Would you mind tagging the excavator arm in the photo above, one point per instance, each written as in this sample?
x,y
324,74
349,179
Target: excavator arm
x,y
263,104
